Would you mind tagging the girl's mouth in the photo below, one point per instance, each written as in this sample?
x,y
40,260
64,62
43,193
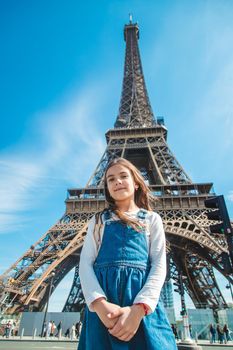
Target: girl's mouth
x,y
118,189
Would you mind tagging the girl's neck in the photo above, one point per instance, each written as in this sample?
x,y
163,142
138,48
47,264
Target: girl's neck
x,y
126,206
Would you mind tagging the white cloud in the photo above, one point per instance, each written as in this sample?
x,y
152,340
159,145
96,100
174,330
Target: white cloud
x,y
72,135
67,143
229,196
19,180
216,105
16,177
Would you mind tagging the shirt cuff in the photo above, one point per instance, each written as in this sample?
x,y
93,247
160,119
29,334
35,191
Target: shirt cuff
x,y
92,298
148,302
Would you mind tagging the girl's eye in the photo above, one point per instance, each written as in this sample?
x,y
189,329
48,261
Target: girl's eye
x,y
110,180
124,176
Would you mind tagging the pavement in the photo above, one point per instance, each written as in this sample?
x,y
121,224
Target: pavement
x,y
28,343
24,345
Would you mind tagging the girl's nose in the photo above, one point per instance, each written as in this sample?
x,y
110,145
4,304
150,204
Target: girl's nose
x,y
118,181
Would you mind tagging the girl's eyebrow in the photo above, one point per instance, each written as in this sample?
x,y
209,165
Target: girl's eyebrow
x,y
122,172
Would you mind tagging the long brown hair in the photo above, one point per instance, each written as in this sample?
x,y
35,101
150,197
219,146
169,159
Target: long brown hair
x,y
142,196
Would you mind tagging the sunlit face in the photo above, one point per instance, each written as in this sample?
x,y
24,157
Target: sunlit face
x,y
120,183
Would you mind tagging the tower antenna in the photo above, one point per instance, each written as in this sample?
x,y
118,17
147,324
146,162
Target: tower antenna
x,y
130,18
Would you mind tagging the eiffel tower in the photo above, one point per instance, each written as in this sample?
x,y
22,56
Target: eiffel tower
x,y
138,136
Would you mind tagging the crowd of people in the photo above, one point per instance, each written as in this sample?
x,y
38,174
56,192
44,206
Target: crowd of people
x,y
219,334
10,329
51,330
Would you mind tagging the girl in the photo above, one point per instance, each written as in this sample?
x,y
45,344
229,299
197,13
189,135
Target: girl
x,y
123,267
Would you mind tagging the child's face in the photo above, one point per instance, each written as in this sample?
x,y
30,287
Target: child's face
x,y
120,183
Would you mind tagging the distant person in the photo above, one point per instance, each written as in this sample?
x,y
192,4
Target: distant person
x,y
80,327
16,329
48,330
67,332
77,328
53,328
7,330
220,334
73,332
190,331
226,333
13,329
212,333
174,329
59,327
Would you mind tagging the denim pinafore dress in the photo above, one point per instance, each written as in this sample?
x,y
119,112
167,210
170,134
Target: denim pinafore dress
x,y
122,267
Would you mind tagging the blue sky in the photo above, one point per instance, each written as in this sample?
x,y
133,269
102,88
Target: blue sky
x,y
61,68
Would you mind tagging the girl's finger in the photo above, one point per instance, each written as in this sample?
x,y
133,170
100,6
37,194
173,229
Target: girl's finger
x,y
125,336
129,337
114,314
117,334
122,333
116,329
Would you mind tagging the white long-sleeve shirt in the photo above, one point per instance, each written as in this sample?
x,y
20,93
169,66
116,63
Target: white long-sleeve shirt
x,y
150,292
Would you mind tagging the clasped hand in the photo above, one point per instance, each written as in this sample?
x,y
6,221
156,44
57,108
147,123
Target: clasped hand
x,y
122,322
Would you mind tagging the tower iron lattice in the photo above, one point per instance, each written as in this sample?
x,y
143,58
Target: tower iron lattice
x,y
141,138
